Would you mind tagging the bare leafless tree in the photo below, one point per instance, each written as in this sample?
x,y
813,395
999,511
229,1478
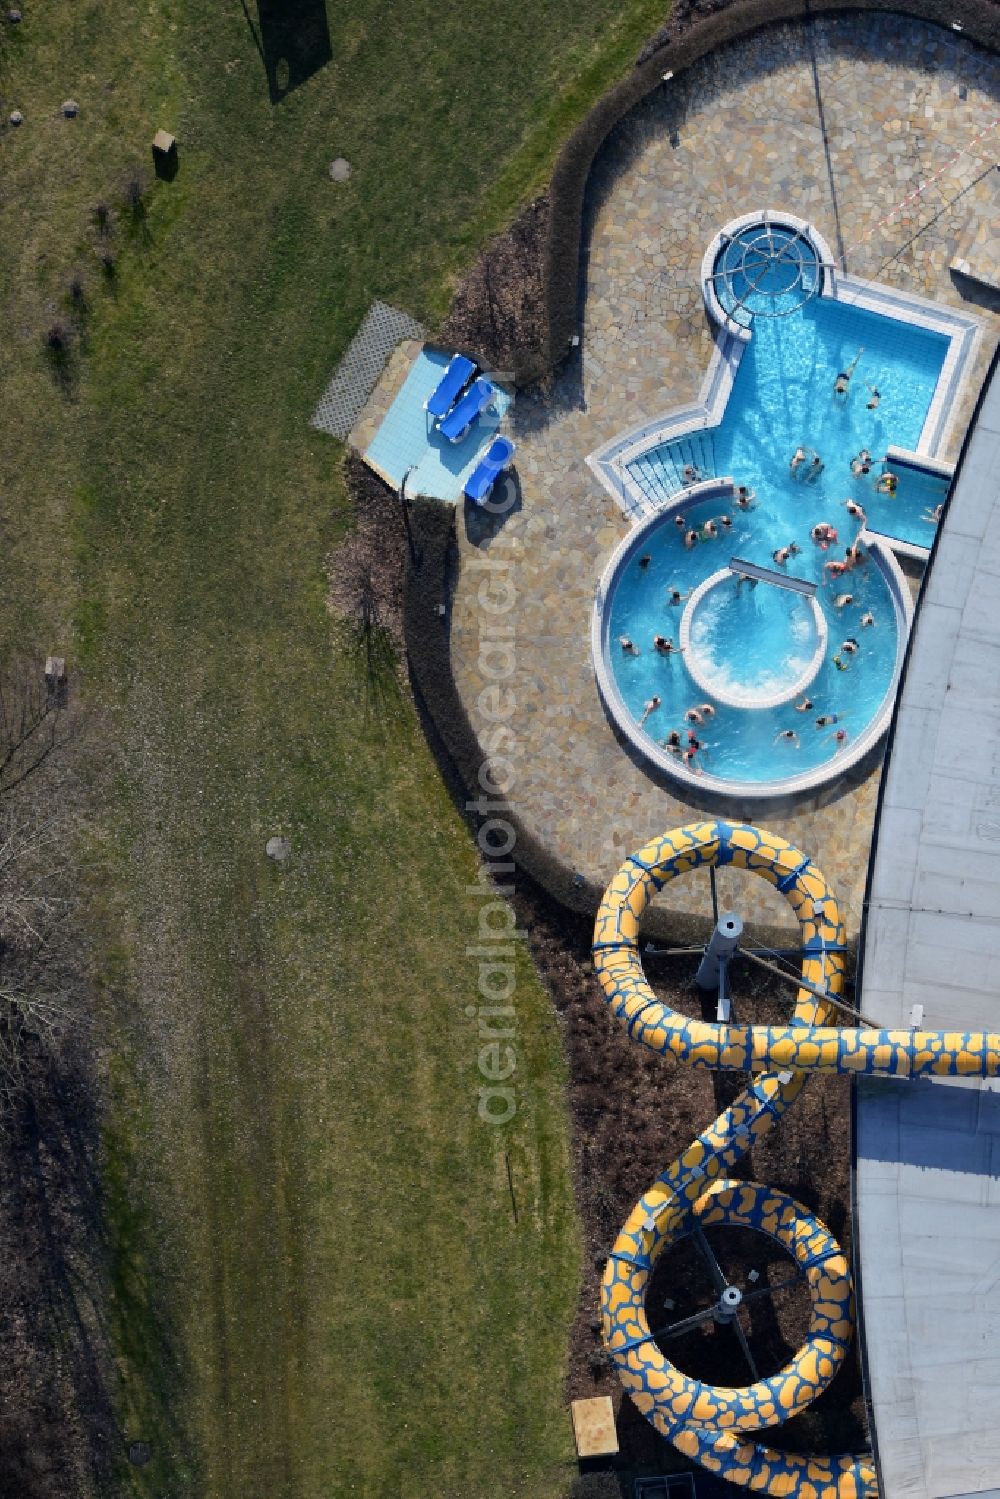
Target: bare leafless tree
x,y
41,971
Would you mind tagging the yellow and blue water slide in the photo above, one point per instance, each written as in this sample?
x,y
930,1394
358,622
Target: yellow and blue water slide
x,y
711,1424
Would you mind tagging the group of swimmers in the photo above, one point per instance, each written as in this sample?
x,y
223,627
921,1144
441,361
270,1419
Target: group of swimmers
x,y
710,530
789,736
674,743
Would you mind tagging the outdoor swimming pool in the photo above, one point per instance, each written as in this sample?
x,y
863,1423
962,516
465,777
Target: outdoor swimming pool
x,y
751,651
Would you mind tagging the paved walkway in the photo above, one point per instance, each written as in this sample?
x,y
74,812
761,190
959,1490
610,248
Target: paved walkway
x,y
739,131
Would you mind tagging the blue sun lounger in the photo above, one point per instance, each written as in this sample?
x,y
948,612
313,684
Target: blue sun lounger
x,y
459,372
498,456
460,418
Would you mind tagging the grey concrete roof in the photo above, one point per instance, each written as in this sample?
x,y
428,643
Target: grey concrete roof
x,y
928,1152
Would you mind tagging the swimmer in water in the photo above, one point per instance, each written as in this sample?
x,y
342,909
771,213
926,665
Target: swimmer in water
x,y
843,380
850,646
706,710
822,534
709,530
789,736
933,516
876,396
650,707
694,716
674,596
843,600
798,457
825,720
644,561
867,620
726,522
665,646
804,705
840,736
628,646
855,510
672,742
862,464
744,497
742,578
887,484
690,539
680,522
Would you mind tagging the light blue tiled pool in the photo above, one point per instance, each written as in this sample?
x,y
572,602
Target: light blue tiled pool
x,y
407,439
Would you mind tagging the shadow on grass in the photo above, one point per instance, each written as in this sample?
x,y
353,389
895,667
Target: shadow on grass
x,y
75,1296
293,39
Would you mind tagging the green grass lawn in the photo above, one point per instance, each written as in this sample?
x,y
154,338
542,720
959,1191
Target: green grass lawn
x,y
318,1283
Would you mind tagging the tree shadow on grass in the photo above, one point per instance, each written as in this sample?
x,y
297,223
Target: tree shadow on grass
x,y
76,1295
293,39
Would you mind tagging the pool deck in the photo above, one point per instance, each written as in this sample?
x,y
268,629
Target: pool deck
x,y
927,1167
739,130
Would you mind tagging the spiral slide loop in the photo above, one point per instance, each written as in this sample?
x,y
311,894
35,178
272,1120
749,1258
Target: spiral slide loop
x,y
703,1421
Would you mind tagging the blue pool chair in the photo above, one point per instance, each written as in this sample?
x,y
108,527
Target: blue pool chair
x,y
459,372
498,456
460,418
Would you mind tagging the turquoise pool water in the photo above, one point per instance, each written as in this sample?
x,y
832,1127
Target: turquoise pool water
x,y
782,398
777,633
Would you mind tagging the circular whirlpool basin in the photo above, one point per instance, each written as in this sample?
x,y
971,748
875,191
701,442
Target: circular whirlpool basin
x,y
749,644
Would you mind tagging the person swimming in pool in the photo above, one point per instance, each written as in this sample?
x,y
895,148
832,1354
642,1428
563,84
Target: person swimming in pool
x,y
690,539
787,736
876,396
815,468
887,484
743,498
840,738
674,596
726,522
867,620
665,646
804,705
855,510
742,578
843,600
826,720
933,516
644,561
694,715
861,464
709,531
843,381
649,708
680,522
672,742
850,646
823,534
706,710
628,646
